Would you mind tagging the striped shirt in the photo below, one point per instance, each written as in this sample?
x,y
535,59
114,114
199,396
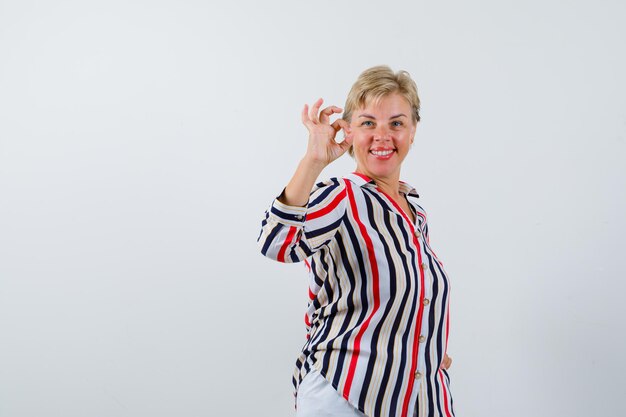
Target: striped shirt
x,y
377,317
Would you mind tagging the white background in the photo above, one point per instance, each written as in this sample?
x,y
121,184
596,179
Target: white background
x,y
141,142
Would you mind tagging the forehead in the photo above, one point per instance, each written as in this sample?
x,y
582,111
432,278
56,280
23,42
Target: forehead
x,y
386,105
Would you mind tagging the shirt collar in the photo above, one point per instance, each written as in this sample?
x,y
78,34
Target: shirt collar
x,y
365,181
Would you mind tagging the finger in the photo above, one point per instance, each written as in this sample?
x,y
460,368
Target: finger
x,y
314,111
332,109
327,112
306,121
341,124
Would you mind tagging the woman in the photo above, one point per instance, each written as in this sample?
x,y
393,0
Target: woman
x,y
377,319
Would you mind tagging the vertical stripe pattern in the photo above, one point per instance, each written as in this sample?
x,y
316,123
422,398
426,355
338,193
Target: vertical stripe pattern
x,y
377,316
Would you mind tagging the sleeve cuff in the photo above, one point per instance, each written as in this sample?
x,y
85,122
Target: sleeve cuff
x,y
289,215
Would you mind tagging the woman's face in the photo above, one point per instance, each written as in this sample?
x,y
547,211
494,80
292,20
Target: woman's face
x,y
382,134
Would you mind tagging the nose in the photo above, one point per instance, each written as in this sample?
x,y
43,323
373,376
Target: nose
x,y
381,134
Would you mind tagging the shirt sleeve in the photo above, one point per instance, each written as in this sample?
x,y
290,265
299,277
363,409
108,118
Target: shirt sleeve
x,y
292,234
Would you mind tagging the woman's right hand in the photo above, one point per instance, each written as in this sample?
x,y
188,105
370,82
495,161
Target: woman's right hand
x,y
321,151
322,148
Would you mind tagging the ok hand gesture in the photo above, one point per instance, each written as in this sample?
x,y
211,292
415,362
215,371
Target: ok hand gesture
x,y
322,148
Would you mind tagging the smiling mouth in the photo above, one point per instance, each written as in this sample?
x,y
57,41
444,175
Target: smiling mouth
x,y
386,152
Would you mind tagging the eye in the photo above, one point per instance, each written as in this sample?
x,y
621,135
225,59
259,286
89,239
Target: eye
x,y
367,123
396,123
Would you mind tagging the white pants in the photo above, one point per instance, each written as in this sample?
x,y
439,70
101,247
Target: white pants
x,y
317,398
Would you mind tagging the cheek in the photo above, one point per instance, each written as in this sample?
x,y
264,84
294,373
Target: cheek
x,y
359,140
408,136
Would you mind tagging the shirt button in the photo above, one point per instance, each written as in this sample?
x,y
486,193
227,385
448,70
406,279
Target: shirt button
x,y
424,266
417,233
426,301
422,339
418,375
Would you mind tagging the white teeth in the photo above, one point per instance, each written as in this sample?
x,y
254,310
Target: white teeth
x,y
382,153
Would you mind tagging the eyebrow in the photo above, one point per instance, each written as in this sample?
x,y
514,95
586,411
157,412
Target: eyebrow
x,y
369,116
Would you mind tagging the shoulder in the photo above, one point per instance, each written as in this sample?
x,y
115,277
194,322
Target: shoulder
x,y
327,206
327,198
332,187
329,184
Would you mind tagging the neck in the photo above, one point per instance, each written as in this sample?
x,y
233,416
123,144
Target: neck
x,y
389,185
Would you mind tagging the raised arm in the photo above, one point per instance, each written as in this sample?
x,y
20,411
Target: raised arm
x,y
300,221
